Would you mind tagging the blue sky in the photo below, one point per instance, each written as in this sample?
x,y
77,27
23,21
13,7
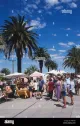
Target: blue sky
x,y
56,21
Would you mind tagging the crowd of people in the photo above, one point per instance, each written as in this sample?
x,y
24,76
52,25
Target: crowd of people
x,y
55,86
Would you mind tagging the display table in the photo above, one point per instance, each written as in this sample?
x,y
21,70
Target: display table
x,y
23,92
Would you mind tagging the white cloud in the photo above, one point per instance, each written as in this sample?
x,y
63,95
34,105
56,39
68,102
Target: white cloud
x,y
68,29
66,1
37,24
56,56
78,34
53,23
32,6
66,44
39,11
78,46
63,44
58,7
49,12
67,35
37,2
26,9
73,5
38,19
12,11
59,57
39,34
52,49
71,43
53,55
62,51
52,2
54,34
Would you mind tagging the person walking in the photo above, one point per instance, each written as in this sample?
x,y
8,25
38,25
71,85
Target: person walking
x,y
63,91
78,86
58,88
54,86
72,89
41,86
35,87
31,85
68,82
50,88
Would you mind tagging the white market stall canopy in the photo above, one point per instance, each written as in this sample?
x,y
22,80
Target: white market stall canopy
x,y
78,76
36,74
14,75
55,72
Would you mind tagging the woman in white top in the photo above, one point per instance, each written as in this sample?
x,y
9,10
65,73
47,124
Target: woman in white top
x,y
35,87
72,89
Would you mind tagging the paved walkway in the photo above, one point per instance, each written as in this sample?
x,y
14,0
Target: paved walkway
x,y
35,108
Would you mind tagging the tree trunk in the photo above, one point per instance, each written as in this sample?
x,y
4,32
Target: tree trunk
x,y
48,69
41,65
77,70
19,64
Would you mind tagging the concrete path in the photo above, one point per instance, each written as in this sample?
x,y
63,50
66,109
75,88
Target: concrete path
x,y
35,108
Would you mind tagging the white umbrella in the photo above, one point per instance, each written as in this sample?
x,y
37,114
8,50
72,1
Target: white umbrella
x,y
55,72
14,75
36,74
78,76
61,72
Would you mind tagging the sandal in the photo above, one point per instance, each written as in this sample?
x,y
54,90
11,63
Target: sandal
x,y
72,103
64,106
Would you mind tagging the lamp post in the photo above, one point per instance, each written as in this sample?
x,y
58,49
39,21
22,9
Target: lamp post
x,y
40,60
12,64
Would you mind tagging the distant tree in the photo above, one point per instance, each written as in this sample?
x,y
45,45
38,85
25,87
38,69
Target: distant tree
x,y
50,65
31,70
6,71
1,43
72,59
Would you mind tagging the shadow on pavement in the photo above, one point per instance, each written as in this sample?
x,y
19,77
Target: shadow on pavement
x,y
47,98
54,100
3,100
58,105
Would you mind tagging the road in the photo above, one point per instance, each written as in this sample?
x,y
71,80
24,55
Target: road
x,y
35,108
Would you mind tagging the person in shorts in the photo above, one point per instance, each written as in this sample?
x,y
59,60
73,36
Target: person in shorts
x,y
63,91
41,86
72,89
35,87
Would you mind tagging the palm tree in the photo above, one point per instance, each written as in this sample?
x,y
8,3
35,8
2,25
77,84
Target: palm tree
x,y
50,65
5,71
18,37
1,44
30,70
41,54
72,59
